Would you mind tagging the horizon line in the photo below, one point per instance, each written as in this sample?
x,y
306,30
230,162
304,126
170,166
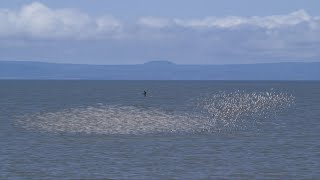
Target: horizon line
x,y
168,63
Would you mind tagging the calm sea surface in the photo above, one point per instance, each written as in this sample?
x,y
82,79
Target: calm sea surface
x,y
181,130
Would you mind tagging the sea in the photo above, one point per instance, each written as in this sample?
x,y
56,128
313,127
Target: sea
x,y
77,129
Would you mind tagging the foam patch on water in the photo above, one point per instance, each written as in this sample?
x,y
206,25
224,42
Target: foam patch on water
x,y
217,111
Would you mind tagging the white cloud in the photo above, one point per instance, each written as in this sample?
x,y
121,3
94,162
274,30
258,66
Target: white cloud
x,y
38,21
267,22
289,36
155,22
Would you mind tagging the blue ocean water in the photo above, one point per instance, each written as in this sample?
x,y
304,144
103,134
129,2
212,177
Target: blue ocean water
x,y
181,130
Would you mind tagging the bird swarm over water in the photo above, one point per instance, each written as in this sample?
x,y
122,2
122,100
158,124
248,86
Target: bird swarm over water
x,y
218,111
230,109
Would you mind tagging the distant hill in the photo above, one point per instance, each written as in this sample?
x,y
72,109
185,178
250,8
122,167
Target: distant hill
x,y
160,70
159,63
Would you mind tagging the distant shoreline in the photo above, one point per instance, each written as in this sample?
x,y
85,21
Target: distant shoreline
x,y
159,70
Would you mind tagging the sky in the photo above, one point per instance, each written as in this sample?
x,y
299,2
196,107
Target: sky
x,y
181,31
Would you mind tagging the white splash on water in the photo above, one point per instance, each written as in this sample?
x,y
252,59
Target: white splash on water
x,y
218,110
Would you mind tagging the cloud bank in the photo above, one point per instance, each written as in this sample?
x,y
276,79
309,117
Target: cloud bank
x,y
39,21
289,36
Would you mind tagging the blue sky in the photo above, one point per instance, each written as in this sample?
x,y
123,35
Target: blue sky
x,y
182,31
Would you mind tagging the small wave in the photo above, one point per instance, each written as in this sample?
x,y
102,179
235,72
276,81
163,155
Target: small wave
x,y
218,111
